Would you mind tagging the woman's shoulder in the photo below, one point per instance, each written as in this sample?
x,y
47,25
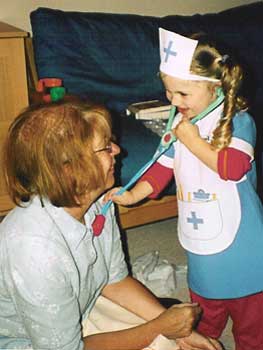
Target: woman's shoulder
x,y
24,218
28,229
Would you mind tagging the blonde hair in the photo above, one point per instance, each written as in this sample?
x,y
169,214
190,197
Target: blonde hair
x,y
44,140
212,61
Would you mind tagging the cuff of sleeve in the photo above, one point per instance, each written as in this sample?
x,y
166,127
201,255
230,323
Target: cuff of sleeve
x,y
233,164
158,176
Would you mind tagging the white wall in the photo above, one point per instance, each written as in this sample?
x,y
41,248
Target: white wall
x,y
16,12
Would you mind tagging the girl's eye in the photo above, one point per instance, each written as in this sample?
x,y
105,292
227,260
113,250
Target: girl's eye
x,y
170,93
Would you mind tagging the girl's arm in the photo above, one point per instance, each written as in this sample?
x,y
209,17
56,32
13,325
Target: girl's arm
x,y
140,191
233,164
149,185
230,163
158,176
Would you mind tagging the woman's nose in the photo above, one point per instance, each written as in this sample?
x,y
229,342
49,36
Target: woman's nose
x,y
115,148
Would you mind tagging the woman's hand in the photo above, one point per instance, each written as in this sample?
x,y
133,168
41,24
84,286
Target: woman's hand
x,y
197,341
178,321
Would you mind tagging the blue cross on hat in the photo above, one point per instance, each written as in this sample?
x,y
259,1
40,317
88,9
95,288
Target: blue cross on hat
x,y
168,51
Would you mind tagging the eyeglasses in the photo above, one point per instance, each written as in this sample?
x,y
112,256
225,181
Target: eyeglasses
x,y
108,149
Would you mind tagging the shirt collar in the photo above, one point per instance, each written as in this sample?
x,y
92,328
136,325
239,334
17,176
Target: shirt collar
x,y
71,230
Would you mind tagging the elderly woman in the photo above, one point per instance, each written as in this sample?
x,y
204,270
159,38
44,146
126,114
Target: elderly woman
x,y
58,161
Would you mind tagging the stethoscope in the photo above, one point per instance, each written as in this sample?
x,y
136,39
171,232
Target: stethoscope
x,y
167,140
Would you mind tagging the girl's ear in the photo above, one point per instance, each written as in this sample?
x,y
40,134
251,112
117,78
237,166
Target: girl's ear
x,y
217,90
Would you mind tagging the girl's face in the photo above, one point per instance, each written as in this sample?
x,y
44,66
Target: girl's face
x,y
190,97
106,154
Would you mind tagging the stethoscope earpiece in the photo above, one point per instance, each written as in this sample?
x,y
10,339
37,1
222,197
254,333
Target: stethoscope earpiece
x,y
219,91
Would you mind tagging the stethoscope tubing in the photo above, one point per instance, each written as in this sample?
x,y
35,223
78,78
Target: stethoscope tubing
x,y
164,146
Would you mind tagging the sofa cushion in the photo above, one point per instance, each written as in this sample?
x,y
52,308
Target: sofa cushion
x,y
115,57
109,57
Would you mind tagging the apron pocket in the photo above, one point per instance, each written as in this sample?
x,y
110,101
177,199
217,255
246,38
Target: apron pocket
x,y
200,220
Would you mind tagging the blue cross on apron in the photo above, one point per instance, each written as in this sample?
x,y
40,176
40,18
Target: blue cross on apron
x,y
194,220
168,51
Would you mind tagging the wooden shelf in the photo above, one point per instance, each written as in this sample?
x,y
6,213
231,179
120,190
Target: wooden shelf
x,y
14,90
150,211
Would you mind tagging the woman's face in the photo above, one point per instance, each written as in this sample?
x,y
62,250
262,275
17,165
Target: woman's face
x,y
190,97
106,154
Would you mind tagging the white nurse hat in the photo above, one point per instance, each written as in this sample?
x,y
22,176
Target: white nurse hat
x,y
176,53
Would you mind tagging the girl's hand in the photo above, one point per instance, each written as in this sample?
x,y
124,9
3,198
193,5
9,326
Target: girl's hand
x,y
197,341
189,135
125,198
185,131
140,191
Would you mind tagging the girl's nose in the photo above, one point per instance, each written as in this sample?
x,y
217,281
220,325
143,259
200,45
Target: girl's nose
x,y
175,100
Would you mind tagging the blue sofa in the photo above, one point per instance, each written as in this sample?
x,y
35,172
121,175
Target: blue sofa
x,y
114,59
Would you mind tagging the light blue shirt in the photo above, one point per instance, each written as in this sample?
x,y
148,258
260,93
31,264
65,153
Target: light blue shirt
x,y
52,271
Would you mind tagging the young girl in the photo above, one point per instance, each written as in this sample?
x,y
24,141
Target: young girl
x,y
220,220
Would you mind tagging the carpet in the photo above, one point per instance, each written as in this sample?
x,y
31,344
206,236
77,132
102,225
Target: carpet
x,y
162,237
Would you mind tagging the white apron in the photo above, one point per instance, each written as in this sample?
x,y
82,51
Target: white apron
x,y
209,207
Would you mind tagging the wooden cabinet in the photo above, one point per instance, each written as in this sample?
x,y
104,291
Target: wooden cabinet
x,y
13,90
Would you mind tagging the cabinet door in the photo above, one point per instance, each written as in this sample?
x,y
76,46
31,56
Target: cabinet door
x,y
13,97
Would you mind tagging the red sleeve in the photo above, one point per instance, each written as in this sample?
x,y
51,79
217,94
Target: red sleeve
x,y
233,164
158,177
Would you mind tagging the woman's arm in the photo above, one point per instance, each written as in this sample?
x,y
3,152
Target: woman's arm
x,y
172,323
135,297
175,322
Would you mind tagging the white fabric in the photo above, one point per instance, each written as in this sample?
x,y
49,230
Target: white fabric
x,y
243,146
107,316
176,53
209,207
155,273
